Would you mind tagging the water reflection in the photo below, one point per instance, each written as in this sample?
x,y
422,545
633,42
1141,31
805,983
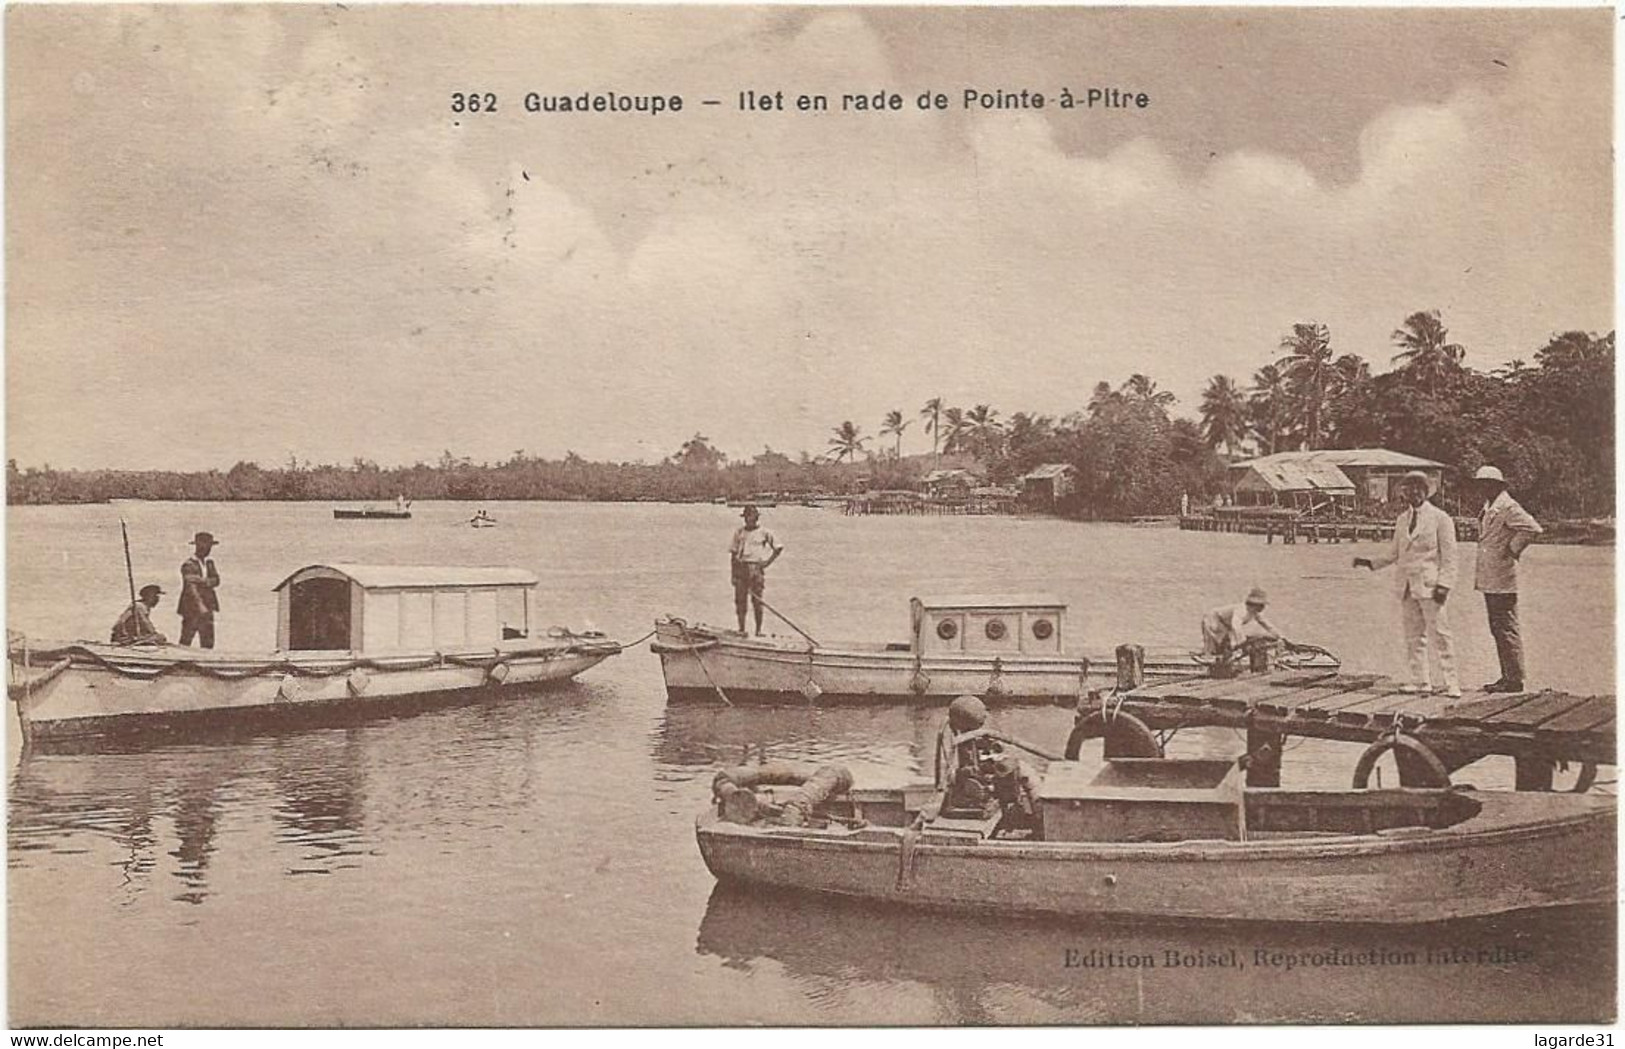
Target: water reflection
x,y
983,969
316,787
887,743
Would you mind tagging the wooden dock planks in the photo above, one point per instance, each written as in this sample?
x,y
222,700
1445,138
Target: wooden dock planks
x,y
1589,716
1555,725
1542,708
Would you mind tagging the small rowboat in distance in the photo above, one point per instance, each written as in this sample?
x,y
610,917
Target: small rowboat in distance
x,y
1007,649
349,637
370,513
1171,840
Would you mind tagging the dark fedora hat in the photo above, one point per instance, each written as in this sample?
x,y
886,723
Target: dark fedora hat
x,y
206,538
152,589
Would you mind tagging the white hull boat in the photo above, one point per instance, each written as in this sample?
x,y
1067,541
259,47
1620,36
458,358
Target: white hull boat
x,y
351,638
1006,650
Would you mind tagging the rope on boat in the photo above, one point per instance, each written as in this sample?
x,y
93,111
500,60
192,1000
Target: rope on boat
x,y
81,653
905,859
692,648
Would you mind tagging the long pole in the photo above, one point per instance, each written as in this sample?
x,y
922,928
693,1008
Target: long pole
x,y
129,570
792,626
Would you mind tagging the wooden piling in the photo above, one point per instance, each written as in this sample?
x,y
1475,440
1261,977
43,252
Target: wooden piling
x,y
1532,773
1264,751
1130,666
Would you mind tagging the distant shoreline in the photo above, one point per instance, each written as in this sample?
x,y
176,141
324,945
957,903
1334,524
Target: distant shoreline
x,y
1558,532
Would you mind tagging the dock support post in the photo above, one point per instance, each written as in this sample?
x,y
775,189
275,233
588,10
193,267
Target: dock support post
x,y
1264,757
1532,773
1130,667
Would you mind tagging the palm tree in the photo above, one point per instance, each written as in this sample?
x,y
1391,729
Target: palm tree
x,y
1513,371
986,432
1224,414
1423,351
847,442
932,414
1308,371
1027,430
1141,389
894,424
954,430
1266,406
1102,399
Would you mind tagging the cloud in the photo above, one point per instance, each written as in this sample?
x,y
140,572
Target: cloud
x,y
273,207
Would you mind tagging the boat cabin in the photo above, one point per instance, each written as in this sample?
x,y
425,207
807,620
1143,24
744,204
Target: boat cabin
x,y
401,608
1029,624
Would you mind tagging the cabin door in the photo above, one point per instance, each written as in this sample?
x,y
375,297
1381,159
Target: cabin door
x,y
319,615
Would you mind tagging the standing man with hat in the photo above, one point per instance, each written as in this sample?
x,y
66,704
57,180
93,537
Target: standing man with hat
x,y
1505,529
753,549
1225,628
1425,551
198,602
135,627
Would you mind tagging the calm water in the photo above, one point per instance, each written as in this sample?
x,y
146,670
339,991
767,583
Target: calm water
x,y
531,861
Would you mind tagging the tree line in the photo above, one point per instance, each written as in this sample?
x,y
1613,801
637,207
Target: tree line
x,y
1548,424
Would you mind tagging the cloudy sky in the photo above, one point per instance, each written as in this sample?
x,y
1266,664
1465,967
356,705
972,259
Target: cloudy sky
x,y
249,232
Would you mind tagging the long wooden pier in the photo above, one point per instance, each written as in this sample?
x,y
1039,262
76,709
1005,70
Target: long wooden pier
x,y
1292,528
1537,729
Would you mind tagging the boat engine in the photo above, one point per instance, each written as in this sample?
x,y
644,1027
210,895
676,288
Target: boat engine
x,y
985,780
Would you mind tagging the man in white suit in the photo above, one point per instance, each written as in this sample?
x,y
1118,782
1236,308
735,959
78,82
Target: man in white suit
x,y
1425,552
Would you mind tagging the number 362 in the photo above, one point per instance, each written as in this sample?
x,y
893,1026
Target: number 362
x,y
474,102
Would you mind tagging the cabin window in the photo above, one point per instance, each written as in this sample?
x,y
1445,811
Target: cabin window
x,y
511,612
947,630
995,630
1042,629
319,615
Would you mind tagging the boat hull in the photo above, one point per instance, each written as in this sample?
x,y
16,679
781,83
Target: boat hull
x,y
88,689
372,515
1508,859
698,661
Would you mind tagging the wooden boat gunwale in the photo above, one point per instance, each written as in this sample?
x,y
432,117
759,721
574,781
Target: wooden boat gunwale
x,y
1399,840
1506,857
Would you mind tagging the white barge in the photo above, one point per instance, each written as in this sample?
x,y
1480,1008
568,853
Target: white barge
x,y
349,637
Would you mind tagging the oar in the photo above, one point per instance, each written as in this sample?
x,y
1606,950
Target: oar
x,y
787,619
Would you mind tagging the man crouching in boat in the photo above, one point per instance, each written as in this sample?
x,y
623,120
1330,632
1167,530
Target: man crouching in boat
x,y
753,549
975,777
1225,629
135,627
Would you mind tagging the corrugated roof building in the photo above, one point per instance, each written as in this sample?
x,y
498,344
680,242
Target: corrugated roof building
x,y
1304,485
1372,475
1048,484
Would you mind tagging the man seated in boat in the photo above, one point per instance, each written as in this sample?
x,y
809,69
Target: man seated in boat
x,y
1225,629
134,626
975,776
753,550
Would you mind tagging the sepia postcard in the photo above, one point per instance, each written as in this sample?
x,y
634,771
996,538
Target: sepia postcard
x,y
648,516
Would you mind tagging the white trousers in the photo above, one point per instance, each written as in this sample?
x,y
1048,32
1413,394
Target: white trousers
x,y
1421,617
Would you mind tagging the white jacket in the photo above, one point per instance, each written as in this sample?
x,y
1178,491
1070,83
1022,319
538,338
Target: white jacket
x,y
1426,556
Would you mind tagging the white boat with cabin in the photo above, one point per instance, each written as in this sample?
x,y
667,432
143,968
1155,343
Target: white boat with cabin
x,y
1008,649
349,637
